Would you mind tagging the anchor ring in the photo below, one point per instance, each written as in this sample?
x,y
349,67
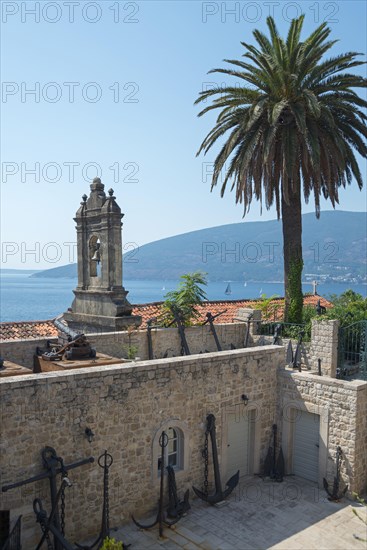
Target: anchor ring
x,y
107,463
48,454
163,440
39,509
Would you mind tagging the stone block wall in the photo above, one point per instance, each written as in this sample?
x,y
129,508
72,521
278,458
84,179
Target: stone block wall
x,y
126,407
166,342
324,345
342,407
21,352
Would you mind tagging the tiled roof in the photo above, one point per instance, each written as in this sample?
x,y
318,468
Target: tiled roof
x,y
228,308
46,329
24,330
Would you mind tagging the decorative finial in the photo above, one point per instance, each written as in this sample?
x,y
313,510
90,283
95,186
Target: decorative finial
x,y
84,197
97,180
110,192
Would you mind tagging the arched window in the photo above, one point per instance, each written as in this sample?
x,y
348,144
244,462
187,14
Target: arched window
x,y
95,256
176,452
173,450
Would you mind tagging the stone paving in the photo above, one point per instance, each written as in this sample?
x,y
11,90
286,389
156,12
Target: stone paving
x,y
259,514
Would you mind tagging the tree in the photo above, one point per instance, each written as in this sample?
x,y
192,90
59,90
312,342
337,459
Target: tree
x,y
293,123
350,307
185,298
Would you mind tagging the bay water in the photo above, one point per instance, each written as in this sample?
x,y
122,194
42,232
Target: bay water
x,y
26,298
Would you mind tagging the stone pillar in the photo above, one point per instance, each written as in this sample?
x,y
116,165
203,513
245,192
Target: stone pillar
x,y
246,313
252,319
324,346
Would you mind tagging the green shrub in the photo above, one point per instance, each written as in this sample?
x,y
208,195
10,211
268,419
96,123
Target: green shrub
x,y
111,544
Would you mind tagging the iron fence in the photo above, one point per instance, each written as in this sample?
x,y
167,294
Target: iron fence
x,y
352,351
284,330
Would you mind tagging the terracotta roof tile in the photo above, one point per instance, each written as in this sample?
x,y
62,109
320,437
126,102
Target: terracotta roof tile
x,y
24,330
46,329
228,308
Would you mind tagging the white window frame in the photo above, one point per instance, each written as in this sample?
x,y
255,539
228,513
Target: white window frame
x,y
183,454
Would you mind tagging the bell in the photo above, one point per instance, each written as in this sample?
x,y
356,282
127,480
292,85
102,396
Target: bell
x,y
96,257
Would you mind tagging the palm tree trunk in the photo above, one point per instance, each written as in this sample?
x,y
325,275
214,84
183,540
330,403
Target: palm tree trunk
x,y
293,263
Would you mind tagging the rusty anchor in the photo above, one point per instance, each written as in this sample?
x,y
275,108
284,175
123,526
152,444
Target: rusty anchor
x,y
219,494
105,462
160,518
54,465
210,319
181,330
149,335
296,363
334,495
175,507
274,467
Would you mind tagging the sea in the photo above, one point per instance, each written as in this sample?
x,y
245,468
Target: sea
x,y
26,298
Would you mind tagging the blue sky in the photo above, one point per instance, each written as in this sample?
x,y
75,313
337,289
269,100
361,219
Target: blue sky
x,y
115,84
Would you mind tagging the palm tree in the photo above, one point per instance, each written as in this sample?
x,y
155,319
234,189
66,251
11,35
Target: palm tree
x,y
293,123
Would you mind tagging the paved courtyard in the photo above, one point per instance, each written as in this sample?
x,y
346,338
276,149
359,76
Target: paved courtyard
x,y
260,514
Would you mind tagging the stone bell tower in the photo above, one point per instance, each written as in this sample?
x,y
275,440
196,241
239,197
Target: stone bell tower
x,y
100,302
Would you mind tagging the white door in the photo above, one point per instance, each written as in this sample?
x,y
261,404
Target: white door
x,y
238,444
306,445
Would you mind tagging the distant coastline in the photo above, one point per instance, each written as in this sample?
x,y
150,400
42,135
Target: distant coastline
x,y
25,298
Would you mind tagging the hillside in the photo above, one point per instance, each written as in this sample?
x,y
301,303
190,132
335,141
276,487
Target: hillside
x,y
334,247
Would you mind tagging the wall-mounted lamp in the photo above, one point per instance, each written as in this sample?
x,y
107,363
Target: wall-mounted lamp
x,y
245,399
88,432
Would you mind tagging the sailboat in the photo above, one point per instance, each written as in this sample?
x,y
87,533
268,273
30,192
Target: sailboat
x,y
245,283
228,290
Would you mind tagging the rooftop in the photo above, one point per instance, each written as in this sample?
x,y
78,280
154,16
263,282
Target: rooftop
x,y
25,330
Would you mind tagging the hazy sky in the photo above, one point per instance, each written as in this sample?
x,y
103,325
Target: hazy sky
x,y
107,88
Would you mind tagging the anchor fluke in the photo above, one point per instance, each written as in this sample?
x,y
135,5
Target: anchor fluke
x,y
219,494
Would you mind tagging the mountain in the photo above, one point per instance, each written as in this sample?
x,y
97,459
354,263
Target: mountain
x,y
18,271
334,248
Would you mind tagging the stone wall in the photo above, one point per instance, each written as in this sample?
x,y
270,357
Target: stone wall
x,y
324,345
21,352
342,407
126,407
306,363
166,342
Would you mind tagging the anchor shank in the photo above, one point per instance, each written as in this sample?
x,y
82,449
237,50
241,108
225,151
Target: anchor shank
x,y
214,332
150,343
217,480
160,510
54,503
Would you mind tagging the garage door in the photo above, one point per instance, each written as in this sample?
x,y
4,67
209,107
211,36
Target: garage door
x,y
306,445
238,444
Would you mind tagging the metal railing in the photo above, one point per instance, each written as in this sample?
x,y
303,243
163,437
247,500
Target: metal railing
x,y
352,351
284,330
13,541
